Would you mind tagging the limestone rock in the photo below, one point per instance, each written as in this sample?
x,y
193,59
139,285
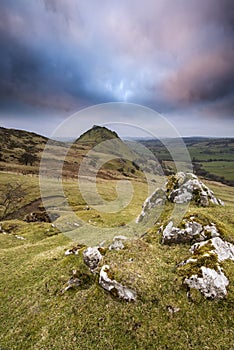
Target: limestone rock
x,y
115,287
92,257
224,250
157,198
212,283
182,188
192,231
117,243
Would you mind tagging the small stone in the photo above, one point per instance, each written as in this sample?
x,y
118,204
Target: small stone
x,y
117,243
115,287
71,284
92,257
20,237
74,250
172,310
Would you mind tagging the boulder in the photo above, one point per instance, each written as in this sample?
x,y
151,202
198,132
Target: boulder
x,y
203,271
115,287
192,231
212,284
92,257
180,188
224,250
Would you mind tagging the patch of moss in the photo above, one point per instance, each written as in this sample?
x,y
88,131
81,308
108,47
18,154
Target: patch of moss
x,y
172,183
207,259
196,195
204,249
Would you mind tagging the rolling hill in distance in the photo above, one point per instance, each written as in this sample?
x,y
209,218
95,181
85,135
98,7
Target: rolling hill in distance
x,y
212,158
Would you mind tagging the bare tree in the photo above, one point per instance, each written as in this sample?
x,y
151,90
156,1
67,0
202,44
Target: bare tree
x,y
10,196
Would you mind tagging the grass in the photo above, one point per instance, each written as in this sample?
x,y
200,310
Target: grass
x,y
220,168
35,315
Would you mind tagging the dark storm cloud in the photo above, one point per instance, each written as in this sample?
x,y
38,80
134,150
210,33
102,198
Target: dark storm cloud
x,y
64,54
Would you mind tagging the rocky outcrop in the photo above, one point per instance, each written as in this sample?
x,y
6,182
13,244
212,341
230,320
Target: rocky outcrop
x,y
212,284
184,187
115,287
191,231
180,188
224,250
92,257
203,271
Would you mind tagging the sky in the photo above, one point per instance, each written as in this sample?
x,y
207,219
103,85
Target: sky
x,y
173,56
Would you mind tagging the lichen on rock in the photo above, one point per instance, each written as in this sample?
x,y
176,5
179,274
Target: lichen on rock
x,y
212,284
223,249
180,188
203,271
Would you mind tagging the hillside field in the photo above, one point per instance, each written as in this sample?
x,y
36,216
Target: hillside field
x,y
35,315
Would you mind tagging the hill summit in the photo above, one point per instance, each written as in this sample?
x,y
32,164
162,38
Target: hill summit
x,y
96,135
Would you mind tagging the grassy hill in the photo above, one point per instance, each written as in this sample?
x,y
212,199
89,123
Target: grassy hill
x,y
21,152
96,135
36,315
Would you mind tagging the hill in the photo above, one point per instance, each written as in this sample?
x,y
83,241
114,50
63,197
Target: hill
x,y
97,134
21,152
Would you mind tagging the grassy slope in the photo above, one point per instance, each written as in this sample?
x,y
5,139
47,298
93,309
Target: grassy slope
x,y
35,315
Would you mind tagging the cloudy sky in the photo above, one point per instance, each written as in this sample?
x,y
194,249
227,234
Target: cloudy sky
x,y
174,56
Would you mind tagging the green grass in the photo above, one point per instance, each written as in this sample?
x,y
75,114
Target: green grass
x,y
35,315
220,168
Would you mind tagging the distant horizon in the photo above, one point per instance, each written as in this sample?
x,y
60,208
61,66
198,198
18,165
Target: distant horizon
x,y
60,138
